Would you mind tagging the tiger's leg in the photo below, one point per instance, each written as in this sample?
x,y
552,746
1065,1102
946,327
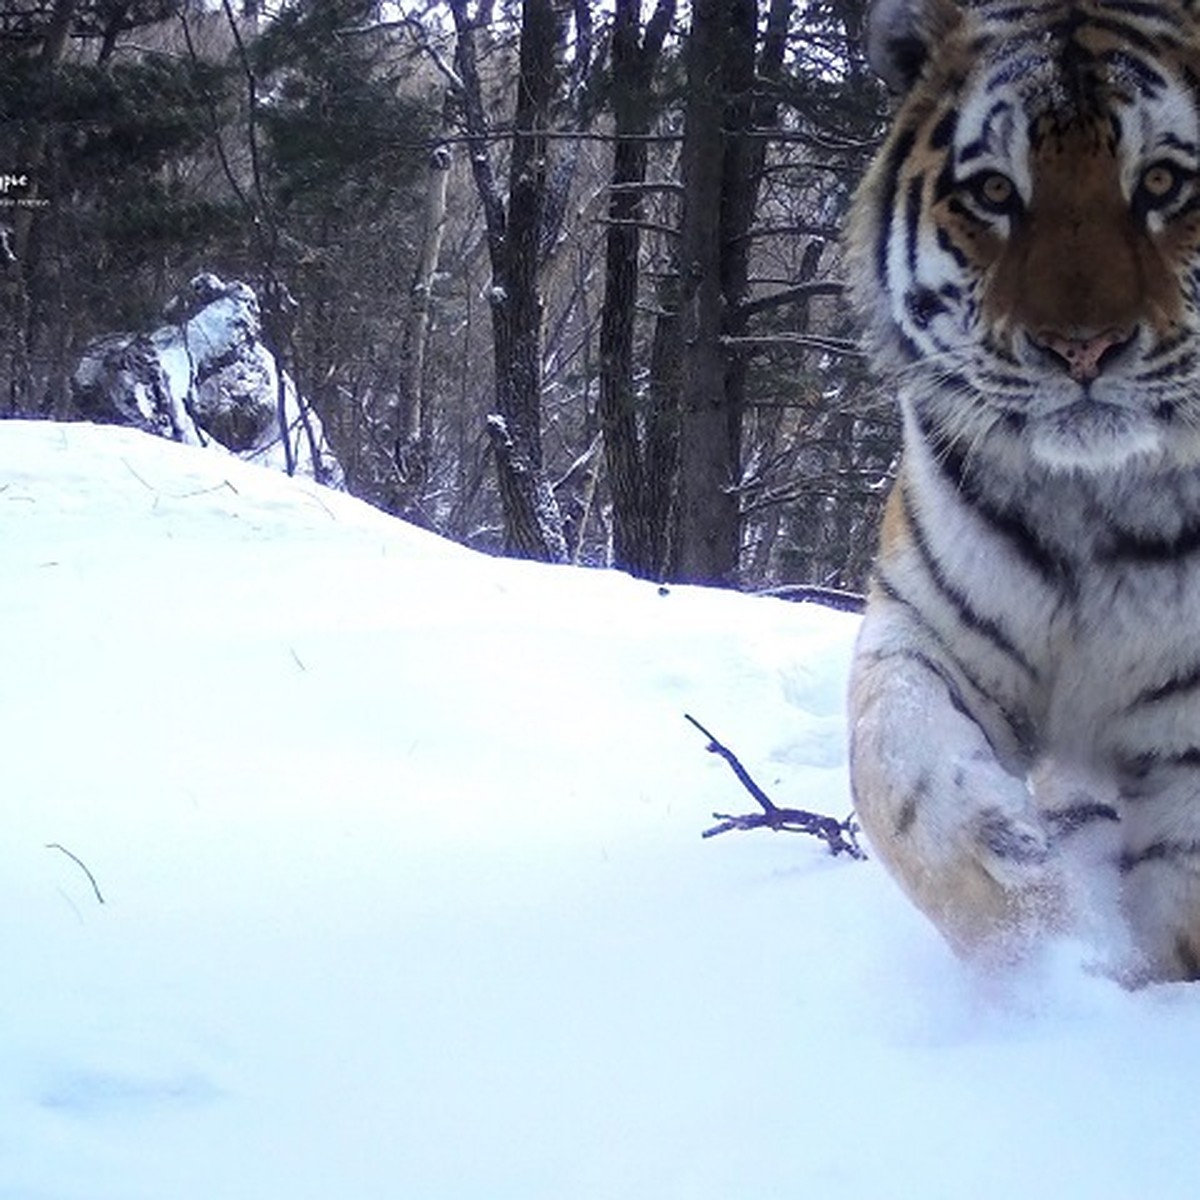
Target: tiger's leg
x,y
1163,906
1081,805
1161,878
961,834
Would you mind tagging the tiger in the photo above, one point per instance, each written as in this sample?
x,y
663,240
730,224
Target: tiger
x,y
1024,693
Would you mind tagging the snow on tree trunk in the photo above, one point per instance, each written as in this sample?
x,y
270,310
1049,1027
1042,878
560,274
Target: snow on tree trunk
x,y
203,377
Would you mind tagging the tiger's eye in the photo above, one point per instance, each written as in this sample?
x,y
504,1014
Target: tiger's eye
x,y
1159,181
996,190
1160,187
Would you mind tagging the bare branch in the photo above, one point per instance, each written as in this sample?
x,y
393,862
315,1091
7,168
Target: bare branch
x,y
805,341
840,836
792,295
80,864
424,43
666,185
478,133
829,233
812,593
648,226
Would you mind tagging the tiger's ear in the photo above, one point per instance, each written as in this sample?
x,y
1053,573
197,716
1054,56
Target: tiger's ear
x,y
901,34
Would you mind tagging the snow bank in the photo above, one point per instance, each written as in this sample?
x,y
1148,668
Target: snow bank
x,y
404,894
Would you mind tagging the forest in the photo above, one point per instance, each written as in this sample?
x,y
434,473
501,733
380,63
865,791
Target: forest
x,y
559,280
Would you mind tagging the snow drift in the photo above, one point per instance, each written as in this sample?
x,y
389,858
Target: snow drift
x,y
404,894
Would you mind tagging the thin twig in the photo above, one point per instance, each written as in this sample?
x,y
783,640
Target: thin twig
x,y
744,778
129,467
80,864
840,836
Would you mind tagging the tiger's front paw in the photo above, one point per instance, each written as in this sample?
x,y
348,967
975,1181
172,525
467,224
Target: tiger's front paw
x,y
1012,895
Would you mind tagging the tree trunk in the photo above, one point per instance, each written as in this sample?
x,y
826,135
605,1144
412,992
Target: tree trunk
x,y
533,525
750,109
661,474
640,516
723,158
709,434
412,431
532,522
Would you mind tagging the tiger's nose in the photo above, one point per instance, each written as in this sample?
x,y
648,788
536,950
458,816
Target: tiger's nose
x,y
1083,357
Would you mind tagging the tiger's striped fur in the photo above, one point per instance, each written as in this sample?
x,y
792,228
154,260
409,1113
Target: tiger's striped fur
x,y
1025,696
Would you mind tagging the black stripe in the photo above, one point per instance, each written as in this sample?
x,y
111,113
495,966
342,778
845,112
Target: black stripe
x,y
1187,957
926,663
1053,568
1068,820
1143,775
1014,383
911,803
1006,840
1173,139
1140,765
1167,851
1017,15
1169,345
984,626
1019,729
1191,80
1148,550
1115,132
911,351
1148,79
943,132
912,219
1188,208
958,209
946,182
923,306
1153,12
901,149
980,146
1185,682
948,247
1183,365
971,150
1017,66
1131,33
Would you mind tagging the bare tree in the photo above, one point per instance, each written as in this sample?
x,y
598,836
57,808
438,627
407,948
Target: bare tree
x,y
710,427
413,433
778,121
638,426
520,228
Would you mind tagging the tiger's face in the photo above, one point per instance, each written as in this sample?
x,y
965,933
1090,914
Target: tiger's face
x,y
1027,243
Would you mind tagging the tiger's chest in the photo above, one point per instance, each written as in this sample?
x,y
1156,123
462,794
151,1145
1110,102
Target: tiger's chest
x,y
1071,606
1120,670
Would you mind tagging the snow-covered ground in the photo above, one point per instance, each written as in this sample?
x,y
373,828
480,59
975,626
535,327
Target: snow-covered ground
x,y
404,894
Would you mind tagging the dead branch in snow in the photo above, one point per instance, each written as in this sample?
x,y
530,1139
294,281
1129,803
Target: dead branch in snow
x,y
840,836
80,864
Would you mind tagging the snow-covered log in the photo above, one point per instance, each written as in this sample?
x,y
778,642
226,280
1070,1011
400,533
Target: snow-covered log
x,y
204,377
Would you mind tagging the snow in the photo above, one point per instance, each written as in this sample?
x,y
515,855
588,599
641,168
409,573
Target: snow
x,y
205,379
404,894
